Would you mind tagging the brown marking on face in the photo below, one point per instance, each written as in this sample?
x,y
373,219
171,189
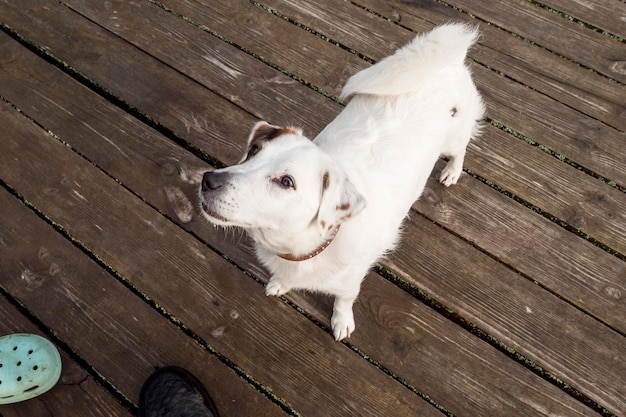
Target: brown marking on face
x,y
325,181
323,224
344,207
268,132
265,133
289,130
453,111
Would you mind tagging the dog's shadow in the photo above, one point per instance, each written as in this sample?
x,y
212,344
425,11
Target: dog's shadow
x,y
315,306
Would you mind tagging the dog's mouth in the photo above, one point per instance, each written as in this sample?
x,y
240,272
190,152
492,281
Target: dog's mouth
x,y
212,215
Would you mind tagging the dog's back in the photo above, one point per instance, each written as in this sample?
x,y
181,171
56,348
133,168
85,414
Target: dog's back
x,y
406,111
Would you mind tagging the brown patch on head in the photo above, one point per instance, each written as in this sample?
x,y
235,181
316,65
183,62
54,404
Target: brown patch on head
x,y
344,206
264,132
325,181
289,130
453,111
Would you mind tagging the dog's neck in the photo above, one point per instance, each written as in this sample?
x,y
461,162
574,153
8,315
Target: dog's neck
x,y
314,252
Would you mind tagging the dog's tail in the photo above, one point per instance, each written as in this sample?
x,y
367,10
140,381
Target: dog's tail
x,y
414,64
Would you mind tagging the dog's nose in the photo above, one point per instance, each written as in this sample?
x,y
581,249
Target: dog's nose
x,y
212,181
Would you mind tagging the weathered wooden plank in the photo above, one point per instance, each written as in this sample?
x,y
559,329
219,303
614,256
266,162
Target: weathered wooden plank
x,y
566,132
439,336
284,351
543,71
564,37
76,394
117,333
466,281
349,25
526,172
607,312
608,15
606,154
174,171
563,283
560,260
312,59
144,80
407,336
591,207
579,208
248,26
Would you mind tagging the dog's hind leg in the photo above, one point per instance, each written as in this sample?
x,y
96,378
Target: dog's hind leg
x,y
453,169
455,151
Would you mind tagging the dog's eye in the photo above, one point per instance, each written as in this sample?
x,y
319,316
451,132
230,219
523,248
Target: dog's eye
x,y
286,181
254,149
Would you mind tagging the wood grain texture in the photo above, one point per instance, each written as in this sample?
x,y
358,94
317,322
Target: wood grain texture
x,y
211,297
172,168
92,311
430,346
159,177
580,209
231,73
129,73
553,32
76,394
531,174
576,270
346,24
608,15
556,126
413,335
582,139
254,29
531,65
505,303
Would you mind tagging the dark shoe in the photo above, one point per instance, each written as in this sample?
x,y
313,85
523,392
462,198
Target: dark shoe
x,y
174,392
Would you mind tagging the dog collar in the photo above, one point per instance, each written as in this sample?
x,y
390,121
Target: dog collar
x,y
315,252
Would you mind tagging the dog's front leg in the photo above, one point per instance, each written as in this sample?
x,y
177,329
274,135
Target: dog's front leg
x,y
342,320
274,287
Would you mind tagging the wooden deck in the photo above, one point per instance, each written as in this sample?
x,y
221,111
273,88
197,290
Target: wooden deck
x,y
507,296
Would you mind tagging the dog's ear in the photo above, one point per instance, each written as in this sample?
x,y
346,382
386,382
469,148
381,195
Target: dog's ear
x,y
263,131
340,201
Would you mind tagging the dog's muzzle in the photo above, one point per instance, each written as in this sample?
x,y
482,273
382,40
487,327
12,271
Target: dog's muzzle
x,y
214,180
212,183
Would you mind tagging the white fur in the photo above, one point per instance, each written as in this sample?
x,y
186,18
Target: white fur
x,y
374,159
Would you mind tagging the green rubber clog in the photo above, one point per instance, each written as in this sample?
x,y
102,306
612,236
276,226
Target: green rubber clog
x,y
29,366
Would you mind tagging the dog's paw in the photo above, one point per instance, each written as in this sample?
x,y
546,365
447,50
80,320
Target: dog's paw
x,y
450,174
274,287
342,324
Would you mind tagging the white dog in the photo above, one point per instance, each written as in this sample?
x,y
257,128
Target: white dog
x,y
322,212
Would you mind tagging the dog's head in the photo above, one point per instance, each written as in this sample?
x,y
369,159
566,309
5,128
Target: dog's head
x,y
284,185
